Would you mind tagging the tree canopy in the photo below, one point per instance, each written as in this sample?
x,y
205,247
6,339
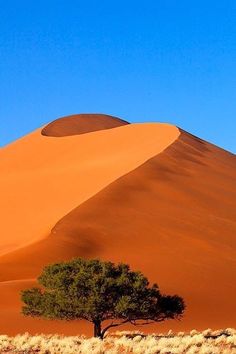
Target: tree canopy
x,y
97,291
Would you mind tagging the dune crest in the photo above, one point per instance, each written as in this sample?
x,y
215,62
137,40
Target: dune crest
x,y
80,124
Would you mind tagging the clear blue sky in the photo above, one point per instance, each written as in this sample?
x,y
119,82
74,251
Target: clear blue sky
x,y
162,60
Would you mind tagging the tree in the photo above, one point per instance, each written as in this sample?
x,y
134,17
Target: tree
x,y
97,291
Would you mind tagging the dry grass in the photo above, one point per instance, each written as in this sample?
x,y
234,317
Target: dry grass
x,y
206,342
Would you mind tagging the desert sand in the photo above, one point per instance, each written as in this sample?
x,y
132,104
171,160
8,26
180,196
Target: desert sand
x,y
43,178
150,195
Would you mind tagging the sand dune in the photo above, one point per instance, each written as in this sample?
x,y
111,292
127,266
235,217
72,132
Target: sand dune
x,y
43,178
165,204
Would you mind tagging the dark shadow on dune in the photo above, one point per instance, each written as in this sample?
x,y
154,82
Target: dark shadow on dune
x,y
81,124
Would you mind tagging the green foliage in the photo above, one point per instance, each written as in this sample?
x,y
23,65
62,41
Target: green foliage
x,y
97,291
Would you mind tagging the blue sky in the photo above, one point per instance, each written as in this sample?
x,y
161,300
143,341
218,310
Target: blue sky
x,y
162,60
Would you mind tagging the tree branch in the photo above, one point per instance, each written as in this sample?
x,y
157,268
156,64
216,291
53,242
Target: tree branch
x,y
113,325
142,323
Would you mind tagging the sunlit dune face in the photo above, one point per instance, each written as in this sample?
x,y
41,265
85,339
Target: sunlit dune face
x,y
43,178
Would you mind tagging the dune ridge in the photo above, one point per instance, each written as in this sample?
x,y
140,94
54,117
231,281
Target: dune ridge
x,y
43,179
81,124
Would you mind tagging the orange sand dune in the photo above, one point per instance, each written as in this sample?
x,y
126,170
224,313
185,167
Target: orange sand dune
x,y
43,178
173,217
80,124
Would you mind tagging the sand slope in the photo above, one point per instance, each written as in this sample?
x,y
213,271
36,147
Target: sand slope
x,y
173,217
43,178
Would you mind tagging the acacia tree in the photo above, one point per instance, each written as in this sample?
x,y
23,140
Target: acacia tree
x,y
97,291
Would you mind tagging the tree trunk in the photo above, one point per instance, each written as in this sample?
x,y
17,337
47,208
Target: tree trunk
x,y
97,329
